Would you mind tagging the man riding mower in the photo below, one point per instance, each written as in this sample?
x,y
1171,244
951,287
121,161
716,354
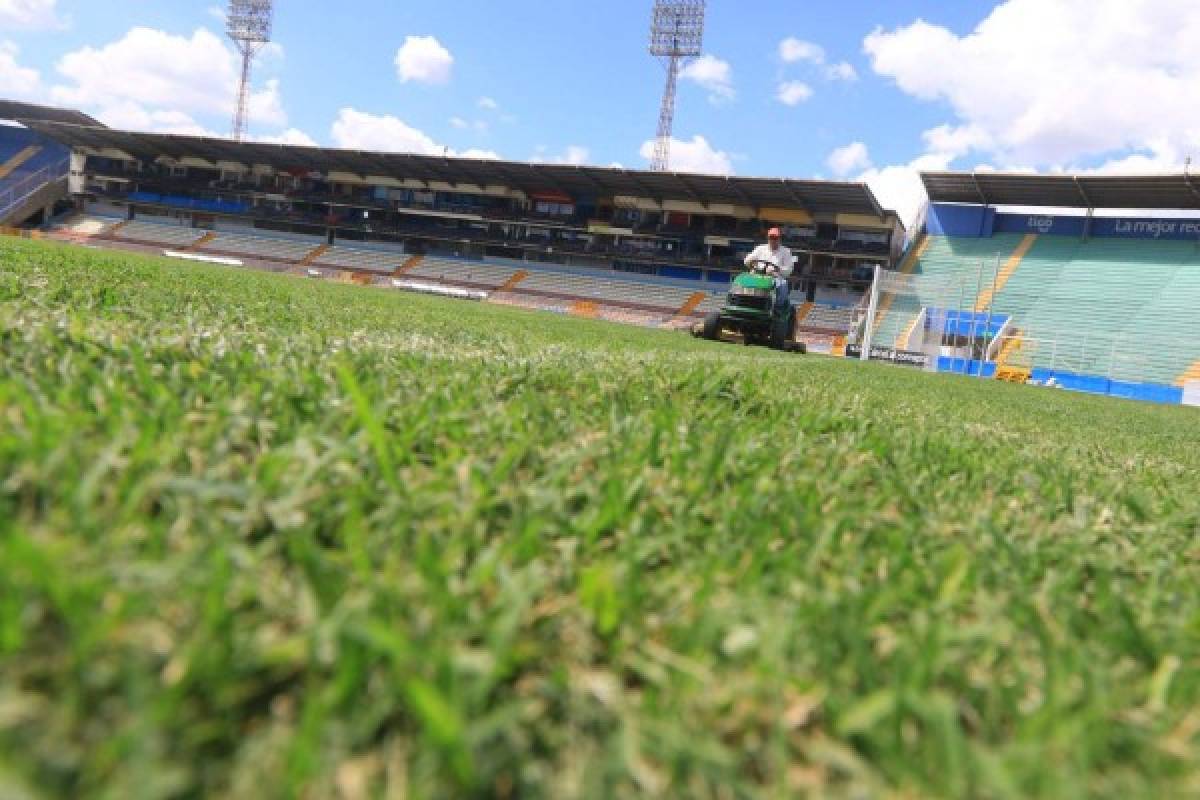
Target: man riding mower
x,y
757,307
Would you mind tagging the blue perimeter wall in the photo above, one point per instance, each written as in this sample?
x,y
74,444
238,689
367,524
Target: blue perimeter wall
x,y
980,222
1091,384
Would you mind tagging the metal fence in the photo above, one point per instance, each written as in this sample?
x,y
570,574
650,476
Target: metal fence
x,y
23,188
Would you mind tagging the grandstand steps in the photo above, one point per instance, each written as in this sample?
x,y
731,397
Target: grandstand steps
x,y
585,308
1191,374
803,311
1014,374
904,338
115,229
915,253
1006,370
316,253
1010,348
203,240
516,278
412,263
8,167
684,312
1006,272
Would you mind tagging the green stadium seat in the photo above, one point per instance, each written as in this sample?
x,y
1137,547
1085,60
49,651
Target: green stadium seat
x,y
1119,308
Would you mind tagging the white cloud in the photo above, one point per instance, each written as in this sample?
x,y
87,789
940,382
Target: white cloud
x,y
360,130
792,50
1058,82
488,104
851,158
793,93
841,71
459,122
956,141
16,81
574,155
423,59
475,152
266,105
696,155
29,14
153,80
712,74
899,187
289,136
133,116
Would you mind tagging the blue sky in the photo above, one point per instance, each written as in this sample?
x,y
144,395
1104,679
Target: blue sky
x,y
873,91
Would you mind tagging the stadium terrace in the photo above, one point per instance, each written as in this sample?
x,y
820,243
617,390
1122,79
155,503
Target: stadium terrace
x,y
689,227
1091,301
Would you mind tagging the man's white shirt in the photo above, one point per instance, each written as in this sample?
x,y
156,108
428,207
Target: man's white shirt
x,y
782,258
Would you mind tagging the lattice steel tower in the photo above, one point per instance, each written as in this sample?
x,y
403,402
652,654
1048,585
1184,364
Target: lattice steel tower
x,y
676,36
249,25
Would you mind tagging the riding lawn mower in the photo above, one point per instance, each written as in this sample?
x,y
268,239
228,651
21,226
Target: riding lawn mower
x,y
752,313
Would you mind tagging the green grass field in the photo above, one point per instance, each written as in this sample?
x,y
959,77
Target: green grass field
x,y
265,537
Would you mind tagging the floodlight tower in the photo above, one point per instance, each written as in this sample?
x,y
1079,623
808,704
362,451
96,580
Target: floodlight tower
x,y
676,35
249,25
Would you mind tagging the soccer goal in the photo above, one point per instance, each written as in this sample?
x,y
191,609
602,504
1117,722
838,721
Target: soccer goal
x,y
919,319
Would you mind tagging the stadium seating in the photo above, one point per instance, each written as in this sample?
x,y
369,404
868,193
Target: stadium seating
x,y
309,256
157,233
616,291
293,249
712,302
461,273
1121,308
959,263
828,318
382,261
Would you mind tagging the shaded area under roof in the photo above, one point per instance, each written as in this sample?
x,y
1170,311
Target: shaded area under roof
x,y
1149,192
25,112
578,181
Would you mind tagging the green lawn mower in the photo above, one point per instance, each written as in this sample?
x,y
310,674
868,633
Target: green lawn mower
x,y
752,314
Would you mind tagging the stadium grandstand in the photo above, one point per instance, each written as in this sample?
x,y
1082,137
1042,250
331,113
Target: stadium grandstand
x,y
1085,282
33,167
602,241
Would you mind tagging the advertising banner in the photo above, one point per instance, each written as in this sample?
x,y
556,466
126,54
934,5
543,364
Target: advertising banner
x,y
908,358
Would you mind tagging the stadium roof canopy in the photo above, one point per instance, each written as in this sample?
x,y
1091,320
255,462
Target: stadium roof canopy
x,y
811,195
1151,192
25,112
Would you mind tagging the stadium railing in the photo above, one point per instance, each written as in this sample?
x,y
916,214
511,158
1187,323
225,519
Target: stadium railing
x,y
15,190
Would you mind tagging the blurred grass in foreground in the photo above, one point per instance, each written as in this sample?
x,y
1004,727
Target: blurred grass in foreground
x,y
267,537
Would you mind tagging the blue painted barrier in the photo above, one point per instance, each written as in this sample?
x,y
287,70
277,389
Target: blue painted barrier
x,y
1092,384
964,366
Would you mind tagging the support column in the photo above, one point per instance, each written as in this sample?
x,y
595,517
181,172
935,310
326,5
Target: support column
x,y
872,309
76,175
